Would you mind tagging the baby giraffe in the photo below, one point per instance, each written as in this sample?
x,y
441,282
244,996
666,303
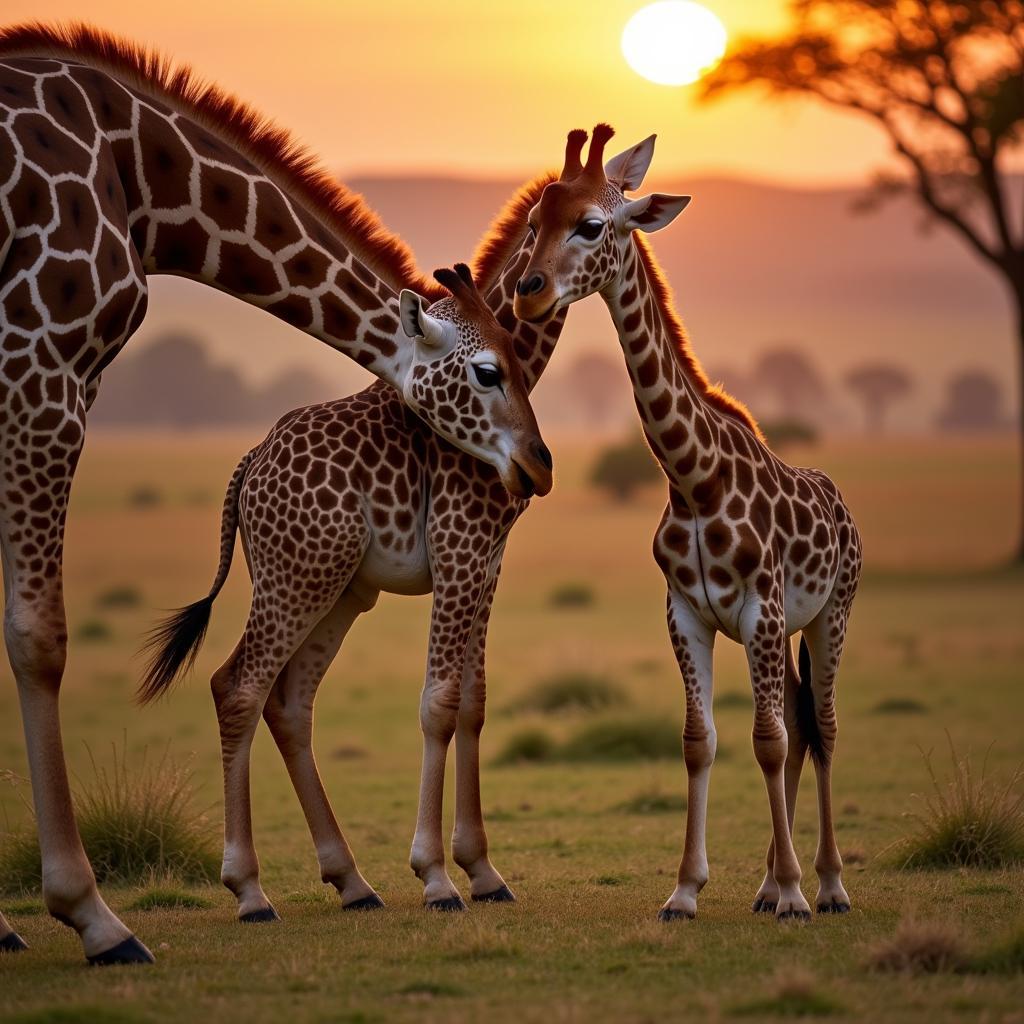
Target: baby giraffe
x,y
750,546
339,502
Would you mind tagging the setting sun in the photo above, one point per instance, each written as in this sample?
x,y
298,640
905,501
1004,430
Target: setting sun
x,y
673,42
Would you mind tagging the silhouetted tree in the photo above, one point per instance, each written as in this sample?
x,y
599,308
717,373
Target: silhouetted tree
x,y
974,402
622,468
943,78
787,374
878,385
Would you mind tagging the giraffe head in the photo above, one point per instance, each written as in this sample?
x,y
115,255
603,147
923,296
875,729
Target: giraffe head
x,y
467,383
583,224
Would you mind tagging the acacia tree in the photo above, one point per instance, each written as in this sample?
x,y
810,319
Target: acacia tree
x,y
945,80
878,385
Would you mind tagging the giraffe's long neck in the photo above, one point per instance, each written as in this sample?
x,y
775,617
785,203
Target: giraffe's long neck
x,y
198,208
534,344
681,427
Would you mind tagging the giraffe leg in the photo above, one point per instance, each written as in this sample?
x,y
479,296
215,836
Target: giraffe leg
x,y
824,637
763,635
469,840
454,611
767,898
693,643
32,517
289,714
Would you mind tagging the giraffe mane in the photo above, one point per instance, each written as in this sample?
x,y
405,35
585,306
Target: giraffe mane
x,y
715,395
503,238
287,162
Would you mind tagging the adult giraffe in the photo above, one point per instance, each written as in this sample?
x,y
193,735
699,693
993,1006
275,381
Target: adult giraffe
x,y
114,166
750,547
418,516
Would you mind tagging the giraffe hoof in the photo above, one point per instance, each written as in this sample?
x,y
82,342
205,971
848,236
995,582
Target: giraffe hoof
x,y
764,906
833,908
671,914
131,951
263,916
12,942
502,895
450,905
794,915
371,902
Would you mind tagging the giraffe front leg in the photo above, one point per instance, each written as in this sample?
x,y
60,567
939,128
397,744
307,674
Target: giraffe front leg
x,y
458,585
767,899
763,635
693,642
469,839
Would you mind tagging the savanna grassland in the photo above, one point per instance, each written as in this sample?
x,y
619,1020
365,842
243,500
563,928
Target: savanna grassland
x,y
591,849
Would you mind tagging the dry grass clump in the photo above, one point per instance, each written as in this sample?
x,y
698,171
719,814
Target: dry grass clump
x,y
137,823
919,947
572,691
791,993
967,821
572,595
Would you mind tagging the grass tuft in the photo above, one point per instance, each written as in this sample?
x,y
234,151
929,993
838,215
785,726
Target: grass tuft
x,y
639,739
529,746
94,631
791,993
119,597
1005,957
76,1015
170,899
572,595
652,801
967,822
919,947
137,823
900,706
572,691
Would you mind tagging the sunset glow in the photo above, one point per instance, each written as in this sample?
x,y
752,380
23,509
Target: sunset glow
x,y
673,42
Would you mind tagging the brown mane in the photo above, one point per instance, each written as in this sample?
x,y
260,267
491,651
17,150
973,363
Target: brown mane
x,y
503,238
286,161
716,396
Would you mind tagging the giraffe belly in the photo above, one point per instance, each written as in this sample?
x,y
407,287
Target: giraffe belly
x,y
401,566
802,606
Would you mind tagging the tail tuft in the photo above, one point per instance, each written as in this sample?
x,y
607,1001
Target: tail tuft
x,y
806,718
174,644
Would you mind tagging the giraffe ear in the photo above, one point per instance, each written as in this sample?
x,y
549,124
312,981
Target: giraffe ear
x,y
418,323
627,170
653,212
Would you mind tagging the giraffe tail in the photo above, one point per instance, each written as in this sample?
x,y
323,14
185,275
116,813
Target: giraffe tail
x,y
173,644
806,717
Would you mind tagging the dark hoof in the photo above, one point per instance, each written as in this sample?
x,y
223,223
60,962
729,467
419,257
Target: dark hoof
x,y
833,908
12,942
794,915
451,905
669,914
763,906
259,916
502,895
131,951
371,902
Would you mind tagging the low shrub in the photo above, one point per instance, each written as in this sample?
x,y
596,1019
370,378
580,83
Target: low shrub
x,y
119,597
94,631
528,746
572,595
639,739
572,691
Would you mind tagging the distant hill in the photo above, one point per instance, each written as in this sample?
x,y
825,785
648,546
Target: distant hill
x,y
754,266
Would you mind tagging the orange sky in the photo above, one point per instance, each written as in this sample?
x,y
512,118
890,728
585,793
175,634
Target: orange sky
x,y
471,87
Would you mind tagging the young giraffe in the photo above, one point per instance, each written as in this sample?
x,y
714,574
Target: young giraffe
x,y
750,547
417,516
113,166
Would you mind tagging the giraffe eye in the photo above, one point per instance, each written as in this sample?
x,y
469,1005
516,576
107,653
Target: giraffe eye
x,y
590,230
487,374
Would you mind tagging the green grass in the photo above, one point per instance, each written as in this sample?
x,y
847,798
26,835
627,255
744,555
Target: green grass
x,y
170,899
570,949
653,801
967,821
572,691
635,739
137,821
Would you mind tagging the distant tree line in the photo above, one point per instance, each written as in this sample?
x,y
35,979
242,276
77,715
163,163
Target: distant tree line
x,y
173,383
